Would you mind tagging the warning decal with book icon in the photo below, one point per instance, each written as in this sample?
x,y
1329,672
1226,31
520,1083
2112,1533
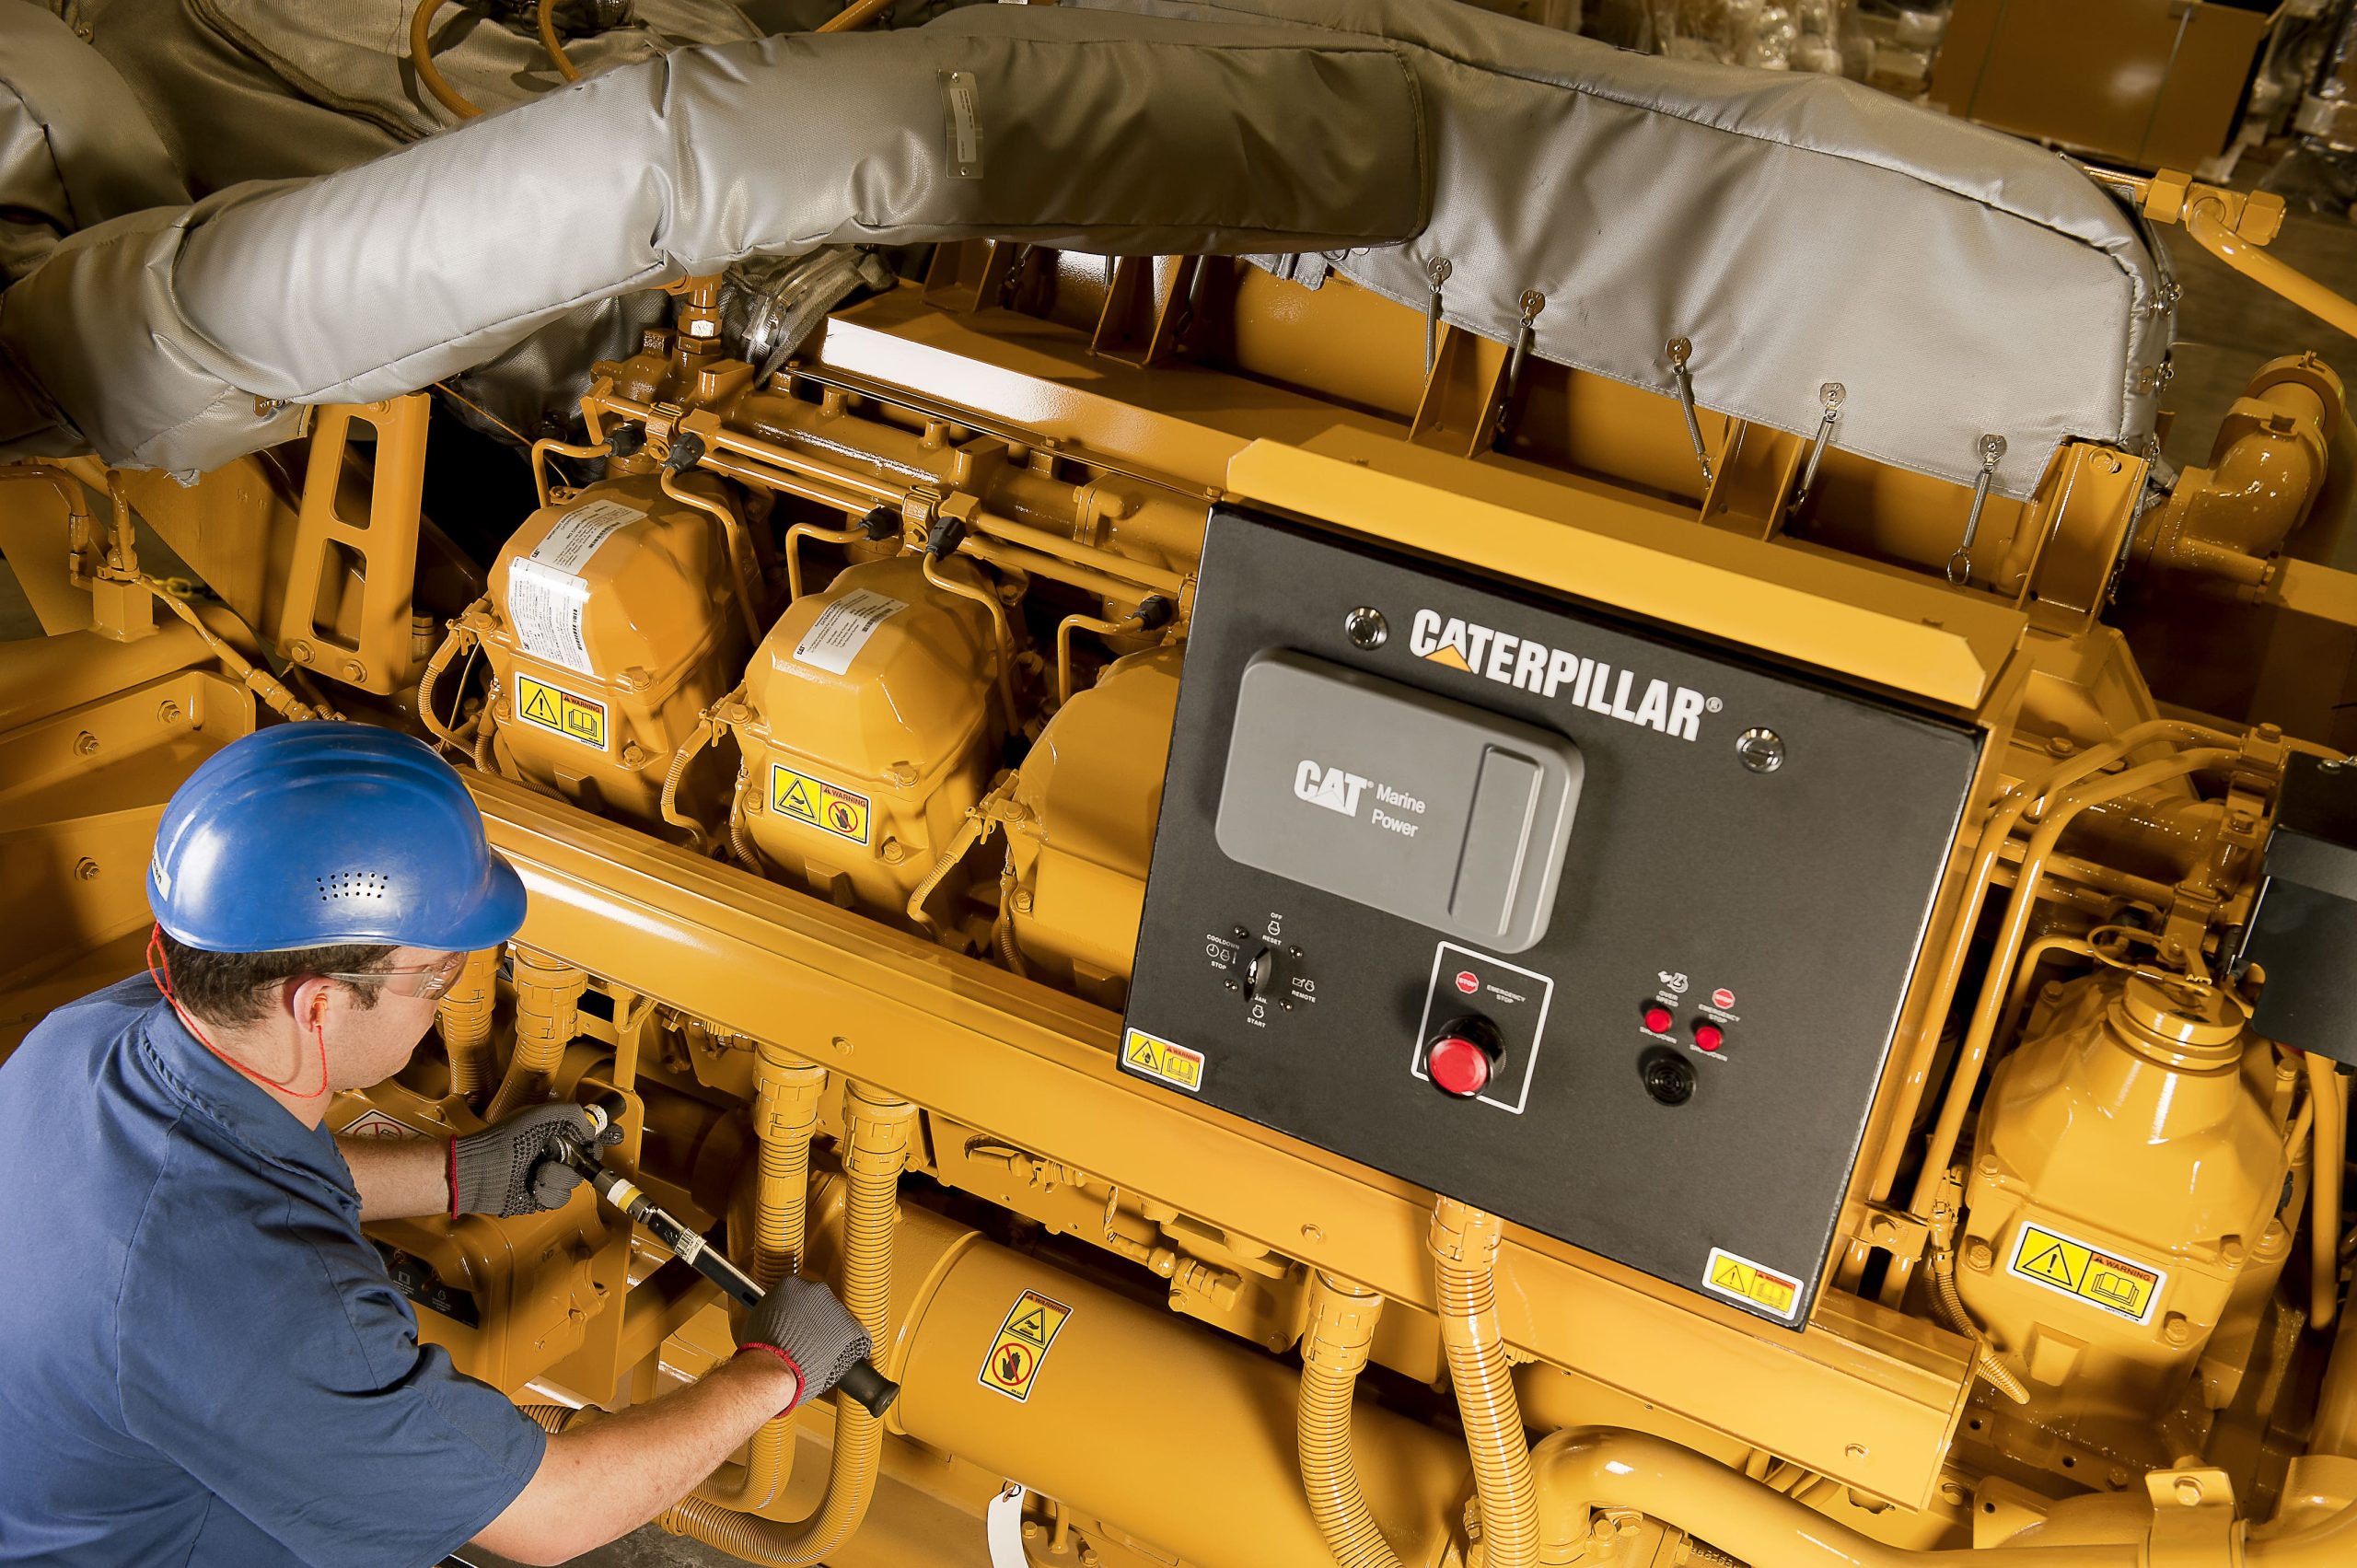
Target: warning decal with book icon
x,y
2087,1273
1030,1327
561,712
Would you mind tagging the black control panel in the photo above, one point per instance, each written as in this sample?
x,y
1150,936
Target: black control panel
x,y
1574,922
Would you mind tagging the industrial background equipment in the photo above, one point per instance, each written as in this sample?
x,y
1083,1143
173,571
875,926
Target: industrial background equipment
x,y
1382,882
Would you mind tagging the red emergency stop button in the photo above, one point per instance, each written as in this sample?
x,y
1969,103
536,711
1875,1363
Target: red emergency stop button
x,y
1658,1018
1461,1056
1459,1065
1710,1037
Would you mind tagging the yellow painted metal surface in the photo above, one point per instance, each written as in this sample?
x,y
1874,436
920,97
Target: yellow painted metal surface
x,y
828,729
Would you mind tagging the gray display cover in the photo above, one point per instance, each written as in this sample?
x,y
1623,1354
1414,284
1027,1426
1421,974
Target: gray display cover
x,y
1394,799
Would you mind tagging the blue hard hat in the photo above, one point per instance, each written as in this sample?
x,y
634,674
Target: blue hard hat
x,y
311,834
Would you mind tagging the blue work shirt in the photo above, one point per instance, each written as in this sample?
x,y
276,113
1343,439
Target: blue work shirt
x,y
202,1360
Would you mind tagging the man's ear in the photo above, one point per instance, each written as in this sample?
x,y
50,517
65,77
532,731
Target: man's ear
x,y
307,1002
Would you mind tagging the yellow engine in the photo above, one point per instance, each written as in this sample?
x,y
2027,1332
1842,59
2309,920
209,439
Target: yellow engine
x,y
1355,944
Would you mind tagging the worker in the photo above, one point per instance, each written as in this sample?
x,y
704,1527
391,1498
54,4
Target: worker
x,y
202,1360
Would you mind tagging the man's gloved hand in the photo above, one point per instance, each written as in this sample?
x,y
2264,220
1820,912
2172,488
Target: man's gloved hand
x,y
802,1324
503,1169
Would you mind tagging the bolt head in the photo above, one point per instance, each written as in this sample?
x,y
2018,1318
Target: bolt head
x,y
1366,628
85,869
85,744
169,714
1760,750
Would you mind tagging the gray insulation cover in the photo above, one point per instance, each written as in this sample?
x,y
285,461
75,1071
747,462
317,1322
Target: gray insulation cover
x,y
155,335
1798,230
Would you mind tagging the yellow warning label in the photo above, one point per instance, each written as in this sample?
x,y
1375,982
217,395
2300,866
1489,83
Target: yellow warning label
x,y
2091,1274
1161,1059
830,809
1030,1327
1755,1284
565,712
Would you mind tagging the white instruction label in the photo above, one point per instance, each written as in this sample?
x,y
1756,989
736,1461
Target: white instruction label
x,y
961,113
577,534
544,609
843,627
545,597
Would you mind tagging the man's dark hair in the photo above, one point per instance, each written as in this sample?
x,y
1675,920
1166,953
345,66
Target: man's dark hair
x,y
234,988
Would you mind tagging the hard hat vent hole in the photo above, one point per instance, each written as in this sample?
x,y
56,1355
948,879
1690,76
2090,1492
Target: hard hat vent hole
x,y
352,884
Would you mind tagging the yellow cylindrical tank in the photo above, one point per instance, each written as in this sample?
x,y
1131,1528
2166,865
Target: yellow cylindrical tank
x,y
1090,793
2121,1205
870,732
615,631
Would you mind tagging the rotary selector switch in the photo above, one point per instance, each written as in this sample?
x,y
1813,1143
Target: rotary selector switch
x,y
1462,1055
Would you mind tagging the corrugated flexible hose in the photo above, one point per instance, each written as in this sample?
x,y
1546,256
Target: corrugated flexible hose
x,y
464,1018
876,1148
1465,1248
1342,1327
786,1116
548,1002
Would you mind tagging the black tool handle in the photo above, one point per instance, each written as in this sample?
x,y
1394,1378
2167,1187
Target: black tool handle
x,y
868,1387
863,1384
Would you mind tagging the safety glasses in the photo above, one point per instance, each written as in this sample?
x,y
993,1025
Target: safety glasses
x,y
428,980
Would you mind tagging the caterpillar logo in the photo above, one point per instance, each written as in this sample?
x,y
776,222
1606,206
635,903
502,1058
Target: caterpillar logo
x,y
1330,787
1529,666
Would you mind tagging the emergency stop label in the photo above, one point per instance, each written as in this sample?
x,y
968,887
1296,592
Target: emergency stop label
x,y
1754,1284
829,808
561,712
1021,1348
2087,1273
1160,1058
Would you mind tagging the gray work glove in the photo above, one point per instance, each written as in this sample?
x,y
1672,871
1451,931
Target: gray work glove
x,y
505,1168
801,1322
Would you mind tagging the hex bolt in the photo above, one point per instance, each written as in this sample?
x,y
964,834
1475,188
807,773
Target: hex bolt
x,y
170,713
85,744
355,670
633,755
85,869
299,651
1978,1255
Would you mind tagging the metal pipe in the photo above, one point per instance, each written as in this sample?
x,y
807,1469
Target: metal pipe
x,y
1102,625
742,572
1464,1242
1983,1028
2003,819
1192,1434
548,1002
851,534
2204,220
980,594
421,59
2335,1428
1334,1350
1599,1468
2330,1098
876,1147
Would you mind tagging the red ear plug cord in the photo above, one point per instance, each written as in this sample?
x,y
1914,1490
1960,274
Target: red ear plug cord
x,y
160,972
